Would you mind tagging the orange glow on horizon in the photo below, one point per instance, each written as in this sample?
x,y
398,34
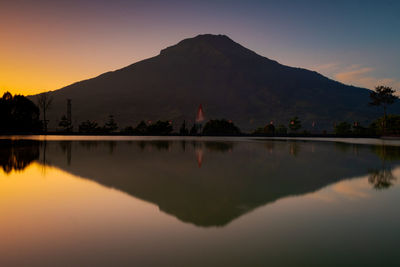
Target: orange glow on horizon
x,y
29,79
44,50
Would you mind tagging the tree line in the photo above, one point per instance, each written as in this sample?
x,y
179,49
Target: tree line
x,y
382,96
21,115
212,127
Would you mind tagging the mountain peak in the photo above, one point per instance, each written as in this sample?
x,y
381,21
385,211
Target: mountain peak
x,y
211,38
208,44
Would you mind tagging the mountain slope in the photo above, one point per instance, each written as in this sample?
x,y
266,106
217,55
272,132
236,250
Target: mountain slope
x,y
230,82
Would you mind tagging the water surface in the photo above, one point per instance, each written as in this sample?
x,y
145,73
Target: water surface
x,y
198,201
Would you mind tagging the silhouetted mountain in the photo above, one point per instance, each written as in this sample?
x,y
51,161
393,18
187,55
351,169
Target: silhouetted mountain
x,y
229,80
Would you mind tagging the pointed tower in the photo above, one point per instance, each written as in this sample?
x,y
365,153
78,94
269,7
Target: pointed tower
x,y
200,115
199,120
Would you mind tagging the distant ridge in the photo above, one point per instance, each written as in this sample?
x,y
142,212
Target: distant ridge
x,y
229,80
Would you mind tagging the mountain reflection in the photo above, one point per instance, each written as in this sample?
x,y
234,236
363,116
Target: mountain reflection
x,y
233,179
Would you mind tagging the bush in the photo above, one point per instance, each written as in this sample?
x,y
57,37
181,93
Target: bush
x,y
160,128
343,128
392,125
281,129
220,127
294,124
89,127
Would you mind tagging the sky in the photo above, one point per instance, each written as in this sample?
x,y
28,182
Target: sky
x,y
46,45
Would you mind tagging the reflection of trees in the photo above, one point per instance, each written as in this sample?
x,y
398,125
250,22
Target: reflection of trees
x,y
88,144
196,144
270,146
183,145
111,146
343,147
66,147
219,146
294,148
17,155
141,145
346,148
389,153
381,179
158,144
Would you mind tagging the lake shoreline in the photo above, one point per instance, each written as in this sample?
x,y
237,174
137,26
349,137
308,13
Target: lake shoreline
x,y
375,141
200,135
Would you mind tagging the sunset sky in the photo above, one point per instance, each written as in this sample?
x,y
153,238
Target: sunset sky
x,y
47,44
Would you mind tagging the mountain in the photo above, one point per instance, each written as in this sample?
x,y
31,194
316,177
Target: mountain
x,y
229,80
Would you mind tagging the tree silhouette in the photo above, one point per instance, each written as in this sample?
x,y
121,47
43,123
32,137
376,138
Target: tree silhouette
x,y
44,101
294,124
111,125
383,96
128,130
160,128
220,127
65,124
89,127
281,129
141,128
183,130
269,129
392,125
343,128
18,114
194,130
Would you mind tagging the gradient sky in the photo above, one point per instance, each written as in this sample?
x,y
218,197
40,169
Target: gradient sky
x,y
45,45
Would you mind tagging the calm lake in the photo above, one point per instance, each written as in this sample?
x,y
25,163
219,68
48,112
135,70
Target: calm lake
x,y
137,201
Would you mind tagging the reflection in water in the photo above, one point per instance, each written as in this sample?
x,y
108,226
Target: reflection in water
x,y
219,146
89,145
343,147
17,155
234,178
381,179
66,149
75,214
294,148
157,144
199,156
